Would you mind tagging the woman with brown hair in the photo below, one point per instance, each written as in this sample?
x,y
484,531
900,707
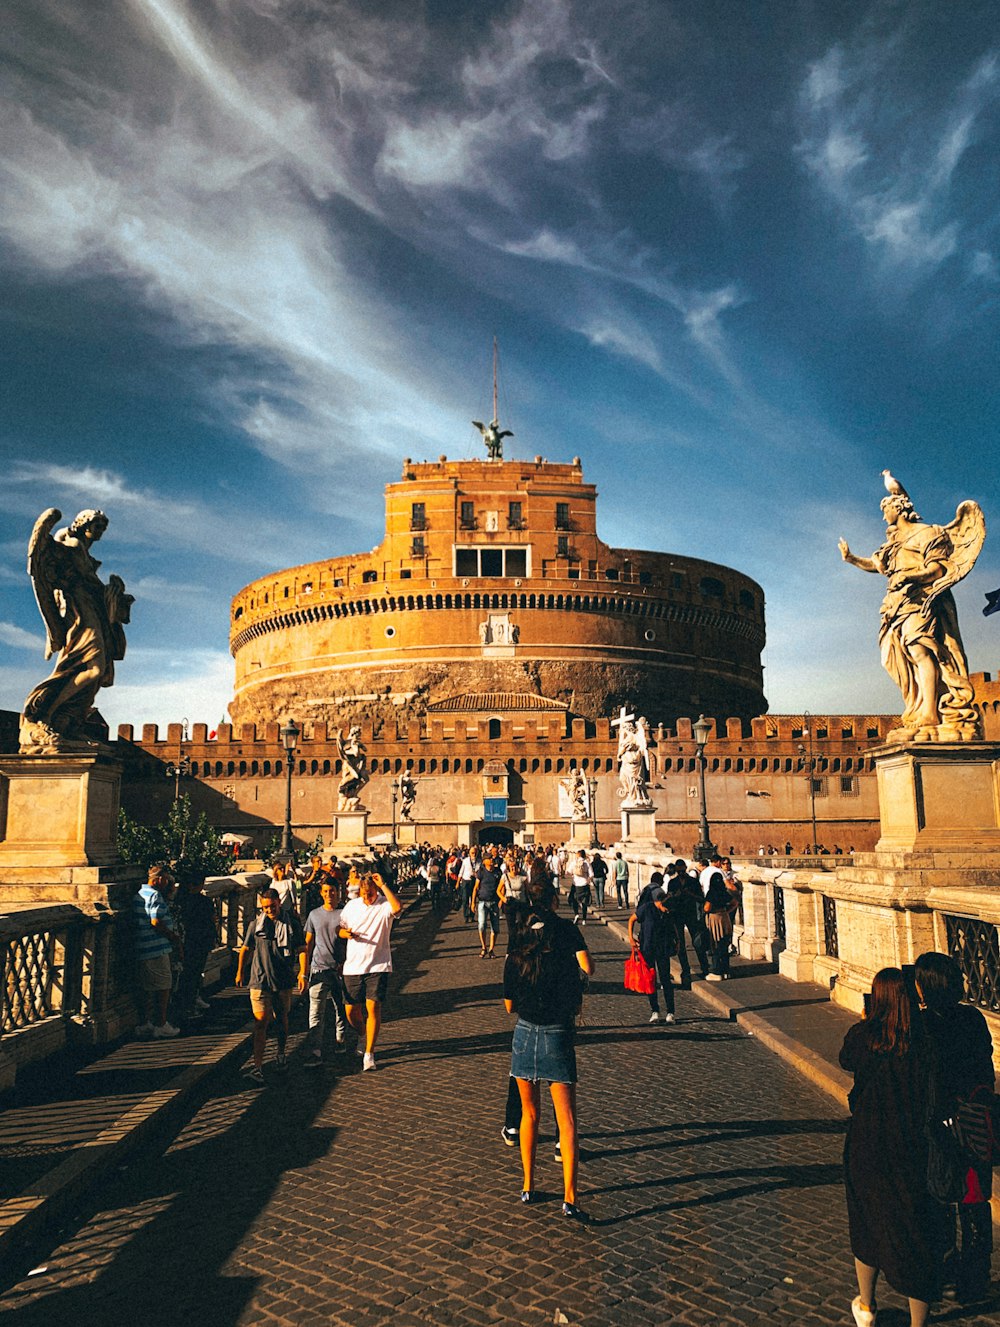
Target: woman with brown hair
x,y
895,1225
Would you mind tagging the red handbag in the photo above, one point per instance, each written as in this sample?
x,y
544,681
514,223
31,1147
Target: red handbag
x,y
639,976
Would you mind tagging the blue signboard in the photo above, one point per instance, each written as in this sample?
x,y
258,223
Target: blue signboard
x,y
495,808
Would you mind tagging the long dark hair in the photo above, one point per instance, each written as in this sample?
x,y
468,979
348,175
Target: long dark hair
x,y
939,980
890,1014
532,930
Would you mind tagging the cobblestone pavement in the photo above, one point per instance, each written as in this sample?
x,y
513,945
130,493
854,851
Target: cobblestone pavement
x,y
711,1169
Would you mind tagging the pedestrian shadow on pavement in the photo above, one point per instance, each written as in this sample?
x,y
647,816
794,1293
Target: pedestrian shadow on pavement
x,y
749,1183
699,1134
153,1245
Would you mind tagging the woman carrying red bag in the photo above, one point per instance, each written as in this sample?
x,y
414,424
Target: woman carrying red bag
x,y
655,942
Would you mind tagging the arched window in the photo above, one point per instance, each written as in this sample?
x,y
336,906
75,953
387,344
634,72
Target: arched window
x,y
494,730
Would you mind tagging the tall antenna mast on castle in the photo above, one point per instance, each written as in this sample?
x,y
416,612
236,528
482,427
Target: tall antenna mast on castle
x,y
493,434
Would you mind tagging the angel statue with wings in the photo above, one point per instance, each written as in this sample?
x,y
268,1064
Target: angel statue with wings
x,y
493,436
84,621
354,774
919,639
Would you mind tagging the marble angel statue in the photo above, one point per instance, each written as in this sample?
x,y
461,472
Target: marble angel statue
x,y
354,772
407,794
919,639
84,621
633,763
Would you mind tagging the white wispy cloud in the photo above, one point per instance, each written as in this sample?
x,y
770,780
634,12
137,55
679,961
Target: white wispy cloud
x,y
18,639
890,171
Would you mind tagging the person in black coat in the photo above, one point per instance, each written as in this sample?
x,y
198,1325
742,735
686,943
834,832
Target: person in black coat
x,y
895,1225
962,1044
686,899
656,941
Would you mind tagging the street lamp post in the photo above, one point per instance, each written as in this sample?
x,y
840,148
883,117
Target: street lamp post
x,y
592,789
289,740
177,768
811,776
704,848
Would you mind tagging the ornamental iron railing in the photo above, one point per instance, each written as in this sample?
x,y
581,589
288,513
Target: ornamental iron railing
x,y
831,941
975,946
780,929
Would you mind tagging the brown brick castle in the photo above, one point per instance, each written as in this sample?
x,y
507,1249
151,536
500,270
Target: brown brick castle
x,y
491,578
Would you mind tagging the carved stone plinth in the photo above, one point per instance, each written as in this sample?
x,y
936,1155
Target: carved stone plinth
x,y
406,832
350,831
639,827
581,834
938,795
58,811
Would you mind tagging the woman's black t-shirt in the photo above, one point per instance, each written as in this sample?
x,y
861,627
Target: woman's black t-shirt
x,y
556,996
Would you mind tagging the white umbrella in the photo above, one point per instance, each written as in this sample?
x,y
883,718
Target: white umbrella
x,y
236,838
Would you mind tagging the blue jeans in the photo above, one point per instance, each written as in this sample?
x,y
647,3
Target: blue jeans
x,y
324,986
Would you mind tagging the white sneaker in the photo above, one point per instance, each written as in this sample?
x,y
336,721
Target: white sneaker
x,y
713,976
369,1061
863,1317
167,1030
654,1018
668,1018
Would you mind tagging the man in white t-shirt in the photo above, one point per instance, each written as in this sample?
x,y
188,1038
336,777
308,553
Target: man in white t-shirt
x,y
365,924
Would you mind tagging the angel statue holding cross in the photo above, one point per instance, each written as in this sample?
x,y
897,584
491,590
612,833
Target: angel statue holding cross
x,y
633,760
84,621
919,639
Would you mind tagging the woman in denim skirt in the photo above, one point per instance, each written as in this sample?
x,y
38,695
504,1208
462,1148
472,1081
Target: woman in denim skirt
x,y
542,984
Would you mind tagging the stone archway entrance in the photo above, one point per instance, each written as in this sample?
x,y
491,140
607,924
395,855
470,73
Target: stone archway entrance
x,y
495,834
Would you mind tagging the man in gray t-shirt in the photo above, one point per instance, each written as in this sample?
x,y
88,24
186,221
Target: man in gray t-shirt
x,y
325,962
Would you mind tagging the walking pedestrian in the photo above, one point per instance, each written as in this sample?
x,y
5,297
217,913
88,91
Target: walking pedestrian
x,y
963,1051
688,913
895,1225
325,951
542,985
272,962
487,897
656,942
366,924
717,919
621,880
579,893
599,870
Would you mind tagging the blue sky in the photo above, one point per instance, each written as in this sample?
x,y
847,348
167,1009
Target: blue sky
x,y
739,257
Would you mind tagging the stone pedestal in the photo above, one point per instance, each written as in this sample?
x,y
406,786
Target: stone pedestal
x,y
59,810
938,854
350,830
580,834
639,828
939,796
406,832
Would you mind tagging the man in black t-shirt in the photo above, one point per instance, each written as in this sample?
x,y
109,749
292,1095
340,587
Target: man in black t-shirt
x,y
487,895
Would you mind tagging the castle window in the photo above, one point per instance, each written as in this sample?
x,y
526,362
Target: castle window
x,y
337,582
238,614
307,587
562,546
562,516
515,562
494,730
573,573
747,600
645,578
418,516
611,573
466,562
491,562
406,574
286,591
417,546
712,587
369,577
467,516
515,520
498,562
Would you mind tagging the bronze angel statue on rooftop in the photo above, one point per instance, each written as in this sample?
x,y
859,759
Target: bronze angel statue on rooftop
x,y
493,436
919,639
84,621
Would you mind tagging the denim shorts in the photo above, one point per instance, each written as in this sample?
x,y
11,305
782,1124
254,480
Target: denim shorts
x,y
543,1053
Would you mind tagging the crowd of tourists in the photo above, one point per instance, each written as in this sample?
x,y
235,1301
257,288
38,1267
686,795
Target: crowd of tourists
x,y
918,1153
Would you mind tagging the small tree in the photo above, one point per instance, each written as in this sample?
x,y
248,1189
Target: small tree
x,y
191,842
